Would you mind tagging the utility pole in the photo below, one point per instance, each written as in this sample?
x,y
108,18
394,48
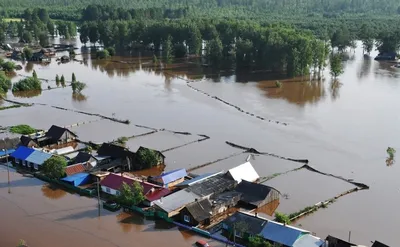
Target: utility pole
x,y
8,173
98,194
349,236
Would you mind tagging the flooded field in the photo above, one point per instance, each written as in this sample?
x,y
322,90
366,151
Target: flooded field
x,y
341,128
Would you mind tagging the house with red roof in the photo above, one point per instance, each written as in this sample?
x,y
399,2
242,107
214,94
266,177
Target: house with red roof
x,y
112,183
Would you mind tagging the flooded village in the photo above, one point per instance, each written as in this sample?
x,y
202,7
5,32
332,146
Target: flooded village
x,y
224,158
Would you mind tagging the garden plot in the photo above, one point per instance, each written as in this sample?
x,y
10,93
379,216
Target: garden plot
x,y
303,188
266,166
197,154
161,140
106,131
42,117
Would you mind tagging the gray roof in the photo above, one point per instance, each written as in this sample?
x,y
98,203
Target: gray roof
x,y
213,185
200,210
176,201
252,224
308,240
254,193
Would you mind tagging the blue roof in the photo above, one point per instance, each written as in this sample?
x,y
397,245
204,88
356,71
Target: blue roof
x,y
198,178
308,241
285,235
8,152
173,175
22,153
38,157
74,177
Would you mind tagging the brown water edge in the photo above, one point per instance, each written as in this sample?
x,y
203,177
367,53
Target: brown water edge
x,y
50,217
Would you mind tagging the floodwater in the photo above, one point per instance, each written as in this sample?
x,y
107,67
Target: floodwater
x,y
341,128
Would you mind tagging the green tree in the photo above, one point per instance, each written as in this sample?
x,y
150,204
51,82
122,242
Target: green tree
x,y
336,65
102,54
28,53
57,81
73,77
168,50
27,37
130,195
8,66
341,38
366,36
62,81
77,86
5,83
51,28
71,27
55,167
282,218
111,51
214,50
43,39
27,84
147,158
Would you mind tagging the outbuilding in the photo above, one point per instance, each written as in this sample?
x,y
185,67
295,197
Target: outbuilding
x,y
170,178
243,172
256,195
77,179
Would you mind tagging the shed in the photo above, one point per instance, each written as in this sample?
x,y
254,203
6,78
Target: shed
x,y
74,169
197,179
170,178
243,172
197,212
37,158
282,234
379,244
21,154
77,179
309,240
256,195
174,202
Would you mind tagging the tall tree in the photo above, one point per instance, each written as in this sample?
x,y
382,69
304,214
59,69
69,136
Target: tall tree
x,y
55,167
130,195
336,65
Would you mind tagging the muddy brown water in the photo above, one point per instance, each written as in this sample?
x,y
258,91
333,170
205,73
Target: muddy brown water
x,y
342,128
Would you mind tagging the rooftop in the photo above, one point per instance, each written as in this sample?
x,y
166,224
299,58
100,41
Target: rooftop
x,y
253,193
38,157
308,240
176,201
198,179
74,169
115,182
171,176
200,209
22,153
156,194
212,185
244,172
282,234
55,132
82,157
75,177
253,224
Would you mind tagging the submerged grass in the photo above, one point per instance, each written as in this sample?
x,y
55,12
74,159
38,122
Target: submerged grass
x,y
9,107
22,129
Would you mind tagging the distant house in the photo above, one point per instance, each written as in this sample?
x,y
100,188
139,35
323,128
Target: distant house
x,y
60,135
205,210
77,179
21,154
256,195
112,183
89,159
213,186
379,244
336,242
27,141
37,158
126,158
170,178
74,169
160,158
386,56
40,56
243,225
197,179
243,172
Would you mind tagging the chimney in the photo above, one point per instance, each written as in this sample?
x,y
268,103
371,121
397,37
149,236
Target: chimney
x,y
256,215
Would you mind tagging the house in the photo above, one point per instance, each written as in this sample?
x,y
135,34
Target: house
x,y
112,183
282,234
308,240
170,178
27,141
173,203
40,56
160,158
114,152
336,242
203,211
212,186
37,158
256,195
197,179
197,212
386,56
90,159
379,244
74,169
77,179
60,135
242,225
21,154
243,172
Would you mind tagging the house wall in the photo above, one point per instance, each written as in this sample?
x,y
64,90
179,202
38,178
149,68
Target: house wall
x,y
172,184
185,215
272,196
108,190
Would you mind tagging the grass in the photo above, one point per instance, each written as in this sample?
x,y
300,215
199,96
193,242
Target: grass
x,y
9,107
11,19
22,129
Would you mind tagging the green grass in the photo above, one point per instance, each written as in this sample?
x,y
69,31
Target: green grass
x,y
11,19
22,129
9,107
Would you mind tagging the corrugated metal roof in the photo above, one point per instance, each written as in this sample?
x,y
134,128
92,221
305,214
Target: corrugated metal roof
x,y
157,194
244,172
172,176
76,176
198,179
176,200
64,150
22,153
308,240
38,157
282,234
255,224
74,169
115,182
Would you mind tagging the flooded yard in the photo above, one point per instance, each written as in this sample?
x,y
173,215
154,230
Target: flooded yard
x,y
341,128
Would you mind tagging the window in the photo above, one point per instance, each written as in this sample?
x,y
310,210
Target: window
x,y
118,193
108,190
186,218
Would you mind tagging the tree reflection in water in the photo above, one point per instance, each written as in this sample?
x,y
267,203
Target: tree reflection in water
x,y
27,94
53,192
79,97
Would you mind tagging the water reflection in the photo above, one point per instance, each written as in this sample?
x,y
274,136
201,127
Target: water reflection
x,y
334,89
79,97
52,192
27,94
299,93
390,161
365,67
128,222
